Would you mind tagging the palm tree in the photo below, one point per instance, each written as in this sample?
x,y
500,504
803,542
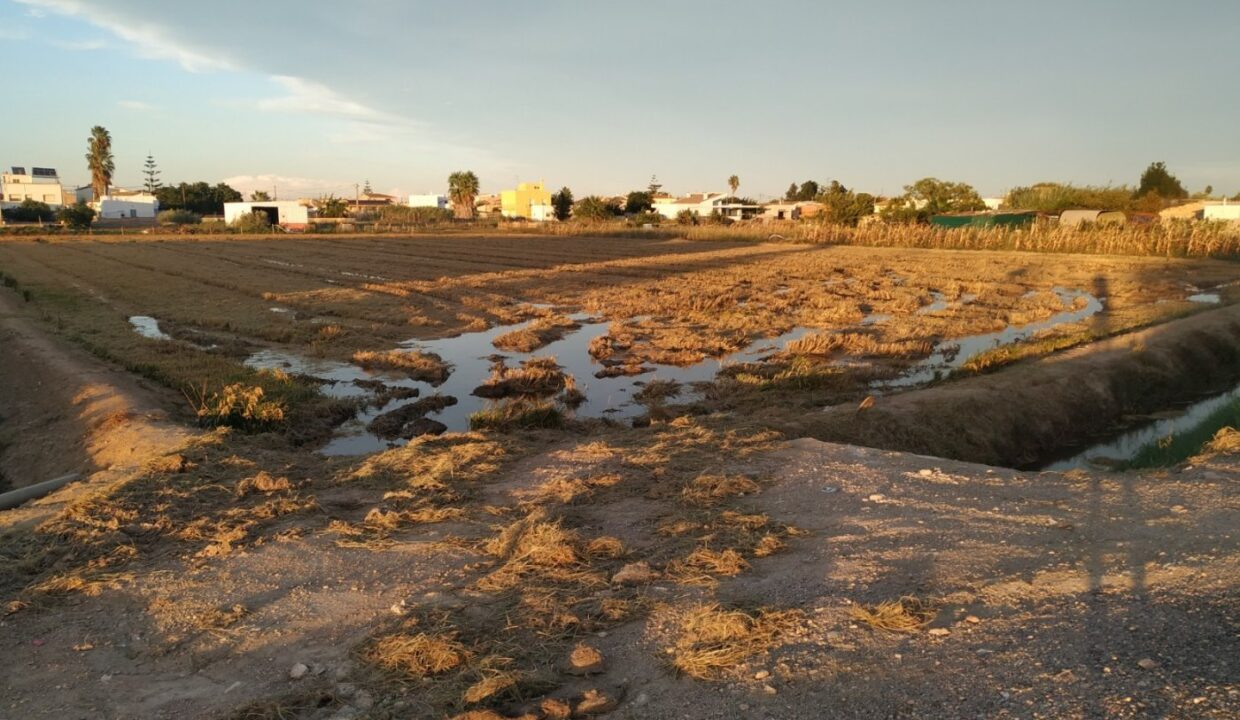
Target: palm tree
x,y
734,182
99,160
462,189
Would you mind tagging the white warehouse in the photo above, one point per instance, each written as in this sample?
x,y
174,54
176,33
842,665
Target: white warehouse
x,y
126,207
1222,211
286,213
435,201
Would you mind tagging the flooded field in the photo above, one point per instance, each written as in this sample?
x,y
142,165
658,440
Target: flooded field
x,y
622,329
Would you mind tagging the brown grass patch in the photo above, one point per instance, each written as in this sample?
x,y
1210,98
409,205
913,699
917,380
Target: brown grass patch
x,y
535,335
708,489
908,614
427,367
712,640
540,376
417,656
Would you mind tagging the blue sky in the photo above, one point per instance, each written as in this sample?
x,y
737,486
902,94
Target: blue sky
x,y
313,97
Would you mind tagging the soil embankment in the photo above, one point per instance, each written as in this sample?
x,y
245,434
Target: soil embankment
x,y
62,411
1032,412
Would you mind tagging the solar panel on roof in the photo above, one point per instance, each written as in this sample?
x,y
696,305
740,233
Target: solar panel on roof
x,y
19,170
43,172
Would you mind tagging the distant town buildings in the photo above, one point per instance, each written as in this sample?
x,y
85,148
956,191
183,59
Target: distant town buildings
x,y
40,184
1229,211
531,201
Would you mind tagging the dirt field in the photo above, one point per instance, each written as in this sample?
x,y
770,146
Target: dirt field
x,y
720,566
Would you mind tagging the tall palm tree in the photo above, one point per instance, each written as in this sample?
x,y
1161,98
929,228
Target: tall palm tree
x,y
734,182
99,160
463,189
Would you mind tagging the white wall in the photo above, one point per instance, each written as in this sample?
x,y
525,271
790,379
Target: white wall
x,y
131,207
14,189
1226,211
290,212
439,201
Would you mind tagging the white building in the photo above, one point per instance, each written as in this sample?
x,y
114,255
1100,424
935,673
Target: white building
x,y
123,205
993,203
288,213
1222,211
435,201
40,184
703,204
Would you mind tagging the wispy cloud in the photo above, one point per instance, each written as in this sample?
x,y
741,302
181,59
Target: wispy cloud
x,y
307,96
14,33
150,39
136,105
288,187
80,45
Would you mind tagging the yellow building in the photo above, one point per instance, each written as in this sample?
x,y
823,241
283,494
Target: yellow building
x,y
531,201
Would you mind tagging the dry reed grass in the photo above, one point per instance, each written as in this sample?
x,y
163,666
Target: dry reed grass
x,y
426,367
417,655
711,640
908,614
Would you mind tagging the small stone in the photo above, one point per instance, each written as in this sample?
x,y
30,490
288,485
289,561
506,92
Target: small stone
x,y
761,675
584,660
939,632
363,700
345,690
641,699
925,472
1147,663
298,671
594,702
972,619
637,573
769,690
743,706
876,497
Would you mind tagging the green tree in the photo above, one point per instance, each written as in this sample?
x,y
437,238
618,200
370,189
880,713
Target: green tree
x,y
686,217
734,182
99,160
1157,179
930,196
151,174
791,193
30,210
198,197
655,186
594,209
260,196
77,217
562,202
807,191
844,206
366,188
331,206
638,201
1054,198
463,190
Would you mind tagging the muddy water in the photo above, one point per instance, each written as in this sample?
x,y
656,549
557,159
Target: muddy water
x,y
1181,435
471,356
952,354
148,327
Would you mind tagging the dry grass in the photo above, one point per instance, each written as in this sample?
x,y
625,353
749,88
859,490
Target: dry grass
x,y
859,344
426,367
709,489
237,405
712,640
537,334
521,414
908,614
417,655
537,377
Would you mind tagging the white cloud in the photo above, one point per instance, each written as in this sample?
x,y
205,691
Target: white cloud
x,y
137,105
307,96
289,188
149,39
14,33
80,45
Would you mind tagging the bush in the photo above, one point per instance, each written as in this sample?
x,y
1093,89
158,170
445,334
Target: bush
x,y
178,217
686,217
405,215
78,217
254,222
29,211
646,218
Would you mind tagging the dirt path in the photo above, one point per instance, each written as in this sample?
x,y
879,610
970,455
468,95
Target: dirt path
x,y
63,411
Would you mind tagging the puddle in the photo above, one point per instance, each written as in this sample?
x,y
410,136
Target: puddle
x,y
148,327
941,303
1163,442
1207,298
952,354
471,354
